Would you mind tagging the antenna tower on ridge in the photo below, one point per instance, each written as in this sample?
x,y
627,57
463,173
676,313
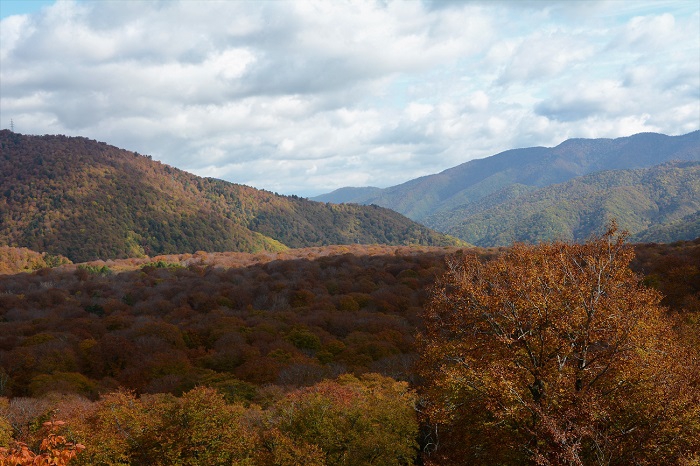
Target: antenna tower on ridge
x,y
12,125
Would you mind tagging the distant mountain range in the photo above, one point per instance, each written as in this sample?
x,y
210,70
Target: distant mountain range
x,y
566,192
87,200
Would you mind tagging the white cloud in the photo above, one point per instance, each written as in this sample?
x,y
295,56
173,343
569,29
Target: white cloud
x,y
305,97
545,54
646,33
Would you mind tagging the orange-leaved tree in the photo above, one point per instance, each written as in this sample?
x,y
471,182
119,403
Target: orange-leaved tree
x,y
555,354
56,450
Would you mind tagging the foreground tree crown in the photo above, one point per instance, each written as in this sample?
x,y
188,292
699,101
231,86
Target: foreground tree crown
x,y
556,354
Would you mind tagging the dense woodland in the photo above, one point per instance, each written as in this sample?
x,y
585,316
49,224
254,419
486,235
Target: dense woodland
x,y
155,355
168,323
86,200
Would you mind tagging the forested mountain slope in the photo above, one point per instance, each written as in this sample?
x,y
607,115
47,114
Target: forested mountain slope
x,y
445,200
649,203
683,229
85,200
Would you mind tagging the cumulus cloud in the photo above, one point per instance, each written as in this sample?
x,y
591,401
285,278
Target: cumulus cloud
x,y
306,97
545,54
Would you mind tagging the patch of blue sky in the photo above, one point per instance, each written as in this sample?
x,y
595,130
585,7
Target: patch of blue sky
x,y
397,93
22,7
624,11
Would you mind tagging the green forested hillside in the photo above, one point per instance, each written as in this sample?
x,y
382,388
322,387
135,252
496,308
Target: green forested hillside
x,y
448,200
86,200
684,229
639,200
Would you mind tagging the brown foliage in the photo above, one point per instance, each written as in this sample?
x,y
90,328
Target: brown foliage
x,y
674,270
295,318
555,354
289,319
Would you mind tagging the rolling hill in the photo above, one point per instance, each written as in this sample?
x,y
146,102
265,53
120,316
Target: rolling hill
x,y
647,202
447,201
85,200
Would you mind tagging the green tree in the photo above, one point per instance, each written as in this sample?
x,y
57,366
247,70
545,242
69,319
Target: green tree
x,y
351,421
202,429
556,354
199,428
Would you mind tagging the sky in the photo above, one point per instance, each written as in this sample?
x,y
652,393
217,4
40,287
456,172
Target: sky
x,y
304,97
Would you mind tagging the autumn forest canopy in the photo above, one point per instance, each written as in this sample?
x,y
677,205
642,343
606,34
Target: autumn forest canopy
x,y
551,354
152,317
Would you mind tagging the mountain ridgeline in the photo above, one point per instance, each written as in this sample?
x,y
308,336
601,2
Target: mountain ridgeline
x,y
85,200
658,196
566,192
